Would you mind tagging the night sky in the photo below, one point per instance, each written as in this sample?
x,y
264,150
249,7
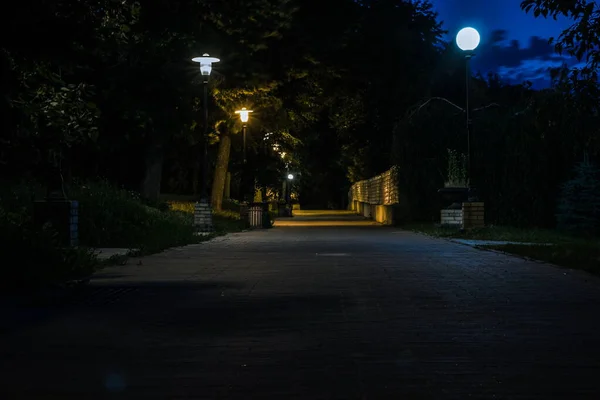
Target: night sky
x,y
514,44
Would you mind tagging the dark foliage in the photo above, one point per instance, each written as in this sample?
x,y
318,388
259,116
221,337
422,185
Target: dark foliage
x,y
579,203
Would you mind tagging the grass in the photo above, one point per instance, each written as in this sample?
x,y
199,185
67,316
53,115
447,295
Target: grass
x,y
108,217
565,250
224,222
500,233
583,255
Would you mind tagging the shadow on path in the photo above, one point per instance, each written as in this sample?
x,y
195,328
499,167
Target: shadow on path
x,y
314,312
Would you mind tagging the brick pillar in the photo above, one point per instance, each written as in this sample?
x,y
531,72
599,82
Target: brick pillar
x,y
203,217
473,215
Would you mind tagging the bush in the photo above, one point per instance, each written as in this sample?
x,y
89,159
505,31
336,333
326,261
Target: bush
x,y
113,217
228,221
108,217
457,169
37,258
579,202
231,205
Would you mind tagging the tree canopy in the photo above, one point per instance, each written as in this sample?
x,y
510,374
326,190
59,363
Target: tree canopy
x,y
341,91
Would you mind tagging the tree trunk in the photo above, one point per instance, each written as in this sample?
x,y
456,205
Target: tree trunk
x,y
153,173
221,171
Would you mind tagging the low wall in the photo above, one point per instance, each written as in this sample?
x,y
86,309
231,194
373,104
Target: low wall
x,y
376,198
451,218
471,215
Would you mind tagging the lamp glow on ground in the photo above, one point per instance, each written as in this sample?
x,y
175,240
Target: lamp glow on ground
x,y
468,39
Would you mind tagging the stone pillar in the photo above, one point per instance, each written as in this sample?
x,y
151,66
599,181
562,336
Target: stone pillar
x,y
203,217
473,215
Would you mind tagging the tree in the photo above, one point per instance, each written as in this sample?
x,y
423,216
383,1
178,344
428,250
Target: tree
x,y
579,204
582,38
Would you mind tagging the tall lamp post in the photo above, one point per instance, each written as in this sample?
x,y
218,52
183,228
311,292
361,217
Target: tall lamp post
x,y
203,210
467,40
244,117
290,178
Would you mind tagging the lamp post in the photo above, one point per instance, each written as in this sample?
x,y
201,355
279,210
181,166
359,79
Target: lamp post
x,y
244,117
290,180
203,210
467,40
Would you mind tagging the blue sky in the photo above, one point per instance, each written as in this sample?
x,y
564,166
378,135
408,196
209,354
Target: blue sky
x,y
514,44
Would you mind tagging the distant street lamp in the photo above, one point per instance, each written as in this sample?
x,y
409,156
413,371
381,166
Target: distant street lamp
x,y
288,191
467,40
203,210
244,116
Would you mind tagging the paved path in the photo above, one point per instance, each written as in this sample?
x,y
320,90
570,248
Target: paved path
x,y
341,310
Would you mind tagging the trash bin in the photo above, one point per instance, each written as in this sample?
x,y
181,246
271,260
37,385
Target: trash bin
x,y
255,216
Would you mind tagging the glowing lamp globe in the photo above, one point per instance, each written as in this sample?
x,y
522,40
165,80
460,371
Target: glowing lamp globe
x,y
244,114
206,63
468,39
290,177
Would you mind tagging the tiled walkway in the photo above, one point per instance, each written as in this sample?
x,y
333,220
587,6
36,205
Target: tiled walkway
x,y
320,307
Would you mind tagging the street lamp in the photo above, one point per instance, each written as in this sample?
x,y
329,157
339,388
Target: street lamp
x,y
244,116
467,40
203,210
287,184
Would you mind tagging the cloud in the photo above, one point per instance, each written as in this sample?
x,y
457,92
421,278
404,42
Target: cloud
x,y
510,53
517,63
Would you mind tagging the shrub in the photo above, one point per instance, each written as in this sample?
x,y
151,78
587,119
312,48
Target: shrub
x,y
228,221
182,206
115,217
579,203
231,205
457,169
38,260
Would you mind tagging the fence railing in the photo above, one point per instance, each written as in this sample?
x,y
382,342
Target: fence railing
x,y
381,189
